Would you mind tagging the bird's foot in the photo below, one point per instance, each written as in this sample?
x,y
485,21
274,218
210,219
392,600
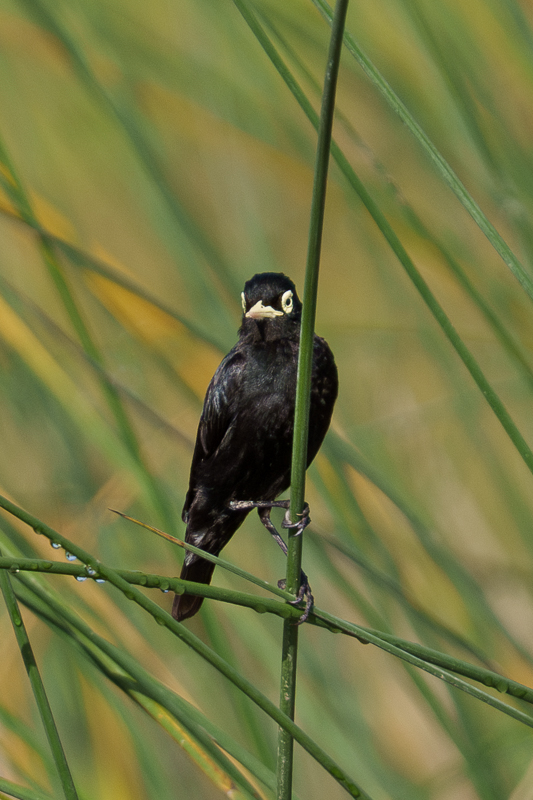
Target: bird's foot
x,y
264,507
301,524
303,592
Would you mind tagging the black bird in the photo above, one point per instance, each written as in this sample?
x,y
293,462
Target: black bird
x,y
244,441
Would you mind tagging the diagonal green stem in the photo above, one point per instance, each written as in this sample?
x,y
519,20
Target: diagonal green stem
x,y
26,651
179,630
303,390
22,792
432,661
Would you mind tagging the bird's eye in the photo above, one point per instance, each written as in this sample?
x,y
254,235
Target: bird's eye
x,y
286,301
243,301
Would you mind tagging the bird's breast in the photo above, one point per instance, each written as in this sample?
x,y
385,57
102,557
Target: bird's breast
x,y
270,373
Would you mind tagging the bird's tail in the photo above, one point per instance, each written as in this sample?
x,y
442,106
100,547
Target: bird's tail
x,y
187,605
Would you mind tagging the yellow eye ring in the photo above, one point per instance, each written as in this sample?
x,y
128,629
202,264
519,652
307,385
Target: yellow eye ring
x,y
286,301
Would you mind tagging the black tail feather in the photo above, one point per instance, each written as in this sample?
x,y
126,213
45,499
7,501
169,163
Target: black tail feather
x,y
187,605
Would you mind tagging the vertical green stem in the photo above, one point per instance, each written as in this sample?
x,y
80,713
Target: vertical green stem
x,y
303,389
63,771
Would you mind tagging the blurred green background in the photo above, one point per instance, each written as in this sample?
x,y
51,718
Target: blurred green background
x,y
152,160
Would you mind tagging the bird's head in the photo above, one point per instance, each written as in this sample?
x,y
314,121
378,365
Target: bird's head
x,y
270,305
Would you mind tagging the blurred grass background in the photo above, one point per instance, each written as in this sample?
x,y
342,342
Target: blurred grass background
x,y
152,161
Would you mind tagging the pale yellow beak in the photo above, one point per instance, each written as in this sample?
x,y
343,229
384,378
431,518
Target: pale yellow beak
x,y
259,311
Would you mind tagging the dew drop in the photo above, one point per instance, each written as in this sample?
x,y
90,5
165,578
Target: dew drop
x,y
90,571
55,545
100,580
81,578
14,568
70,556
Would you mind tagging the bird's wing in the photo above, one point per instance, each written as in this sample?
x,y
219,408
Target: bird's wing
x,y
217,416
218,412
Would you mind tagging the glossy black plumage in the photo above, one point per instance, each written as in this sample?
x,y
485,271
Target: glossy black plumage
x,y
244,441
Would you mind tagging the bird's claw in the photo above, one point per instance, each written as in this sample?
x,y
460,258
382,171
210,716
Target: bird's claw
x,y
304,591
301,524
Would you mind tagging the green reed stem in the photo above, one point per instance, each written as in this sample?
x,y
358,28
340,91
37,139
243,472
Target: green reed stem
x,y
26,651
303,390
